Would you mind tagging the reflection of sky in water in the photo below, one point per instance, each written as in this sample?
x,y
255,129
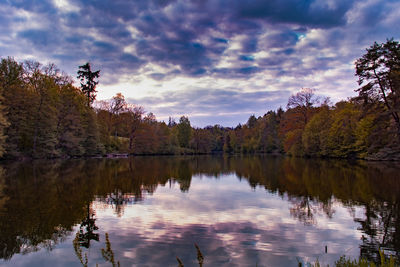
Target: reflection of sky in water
x,y
233,224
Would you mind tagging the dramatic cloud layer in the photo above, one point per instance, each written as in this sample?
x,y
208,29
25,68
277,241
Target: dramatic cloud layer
x,y
217,61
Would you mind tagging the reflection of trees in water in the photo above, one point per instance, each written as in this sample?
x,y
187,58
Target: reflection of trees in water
x,y
305,208
184,176
381,224
34,215
381,229
40,203
86,234
119,200
107,252
312,186
87,229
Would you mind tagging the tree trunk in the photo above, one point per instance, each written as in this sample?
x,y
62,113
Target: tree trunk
x,y
394,114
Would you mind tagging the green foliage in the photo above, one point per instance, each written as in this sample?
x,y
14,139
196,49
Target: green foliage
x,y
47,116
363,132
378,72
184,131
361,262
70,121
19,115
342,133
293,142
90,142
316,133
269,140
42,115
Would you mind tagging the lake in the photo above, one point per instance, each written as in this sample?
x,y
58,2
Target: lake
x,y
239,210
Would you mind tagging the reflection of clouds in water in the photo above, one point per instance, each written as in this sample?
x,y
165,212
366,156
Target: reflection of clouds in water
x,y
235,226
249,221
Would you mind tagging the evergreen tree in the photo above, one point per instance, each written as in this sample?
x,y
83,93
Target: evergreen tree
x,y
184,131
88,82
379,72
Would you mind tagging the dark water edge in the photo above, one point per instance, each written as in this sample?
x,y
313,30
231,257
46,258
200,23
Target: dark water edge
x,y
385,155
46,205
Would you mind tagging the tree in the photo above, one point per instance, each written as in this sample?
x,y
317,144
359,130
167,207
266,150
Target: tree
x,y
378,70
201,141
88,82
117,105
91,139
316,133
184,131
133,118
252,121
171,122
227,144
3,125
294,120
4,76
364,134
19,114
342,133
303,102
70,120
40,81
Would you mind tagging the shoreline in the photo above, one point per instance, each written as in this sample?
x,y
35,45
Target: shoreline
x,y
132,155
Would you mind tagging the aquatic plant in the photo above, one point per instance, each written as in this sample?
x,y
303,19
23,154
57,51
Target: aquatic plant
x,y
200,257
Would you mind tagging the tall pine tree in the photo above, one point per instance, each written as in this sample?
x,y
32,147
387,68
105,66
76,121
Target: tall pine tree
x,y
88,81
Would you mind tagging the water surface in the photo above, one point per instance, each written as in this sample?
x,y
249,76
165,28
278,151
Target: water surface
x,y
241,211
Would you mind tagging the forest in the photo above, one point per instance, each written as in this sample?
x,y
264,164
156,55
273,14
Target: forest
x,y
43,115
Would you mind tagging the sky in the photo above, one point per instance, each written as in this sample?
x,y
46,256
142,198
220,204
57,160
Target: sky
x,y
216,61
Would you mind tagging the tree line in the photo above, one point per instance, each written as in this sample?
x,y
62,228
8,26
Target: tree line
x,y
43,115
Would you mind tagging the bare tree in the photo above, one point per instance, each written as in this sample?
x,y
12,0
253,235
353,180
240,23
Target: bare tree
x,y
303,101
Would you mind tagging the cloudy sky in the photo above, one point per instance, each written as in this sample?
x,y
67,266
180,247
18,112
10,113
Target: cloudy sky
x,y
217,61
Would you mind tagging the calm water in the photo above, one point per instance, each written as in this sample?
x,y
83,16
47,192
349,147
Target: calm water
x,y
241,211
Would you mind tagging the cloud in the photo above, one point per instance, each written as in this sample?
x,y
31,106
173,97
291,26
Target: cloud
x,y
39,38
212,106
224,238
309,13
257,45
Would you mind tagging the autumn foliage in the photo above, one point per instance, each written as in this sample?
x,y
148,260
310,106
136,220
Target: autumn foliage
x,y
43,115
